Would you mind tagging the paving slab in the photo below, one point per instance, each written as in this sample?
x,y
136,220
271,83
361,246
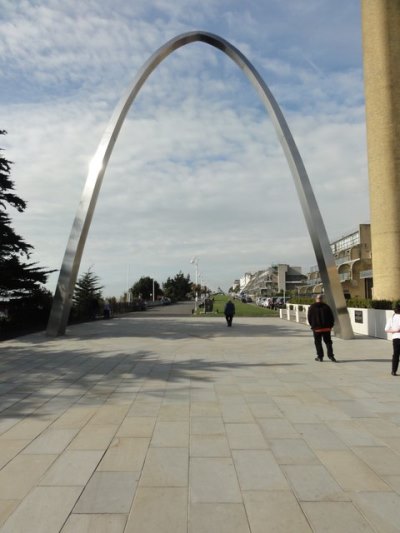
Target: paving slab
x,y
22,474
107,492
381,509
53,441
101,523
218,518
73,467
9,448
125,454
258,470
277,511
44,510
92,438
213,480
158,423
165,467
335,517
314,483
158,509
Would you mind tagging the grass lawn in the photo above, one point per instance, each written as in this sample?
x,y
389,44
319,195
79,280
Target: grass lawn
x,y
250,309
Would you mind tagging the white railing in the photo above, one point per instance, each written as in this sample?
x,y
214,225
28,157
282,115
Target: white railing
x,y
370,322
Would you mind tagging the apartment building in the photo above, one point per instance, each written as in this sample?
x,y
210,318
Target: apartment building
x,y
352,253
274,280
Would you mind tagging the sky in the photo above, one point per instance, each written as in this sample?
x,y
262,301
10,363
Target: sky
x,y
197,170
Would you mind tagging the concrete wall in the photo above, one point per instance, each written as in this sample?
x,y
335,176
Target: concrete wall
x,y
369,322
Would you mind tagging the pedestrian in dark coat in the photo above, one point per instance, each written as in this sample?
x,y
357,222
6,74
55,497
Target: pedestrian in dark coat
x,y
229,312
321,320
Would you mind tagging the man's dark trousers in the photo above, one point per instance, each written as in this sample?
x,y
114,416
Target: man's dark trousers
x,y
396,354
229,319
325,336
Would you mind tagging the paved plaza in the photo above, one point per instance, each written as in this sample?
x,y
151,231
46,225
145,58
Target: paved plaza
x,y
160,423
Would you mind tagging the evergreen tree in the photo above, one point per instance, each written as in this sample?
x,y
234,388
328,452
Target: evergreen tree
x,y
178,288
87,296
144,288
18,278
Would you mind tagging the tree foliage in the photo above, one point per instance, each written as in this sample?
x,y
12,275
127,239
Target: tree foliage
x,y
178,288
18,278
87,296
144,288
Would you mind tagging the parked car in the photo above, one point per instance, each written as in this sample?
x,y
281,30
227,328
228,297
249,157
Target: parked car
x,y
268,302
281,302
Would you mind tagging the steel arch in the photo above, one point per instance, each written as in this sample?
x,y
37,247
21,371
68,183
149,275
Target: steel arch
x,y
76,243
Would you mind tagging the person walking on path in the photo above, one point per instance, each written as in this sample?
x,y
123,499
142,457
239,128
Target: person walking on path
x,y
393,327
229,312
321,320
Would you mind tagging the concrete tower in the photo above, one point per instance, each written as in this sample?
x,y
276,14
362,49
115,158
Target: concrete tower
x,y
381,50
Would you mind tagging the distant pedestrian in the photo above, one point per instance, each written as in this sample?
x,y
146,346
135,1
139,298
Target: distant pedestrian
x,y
107,310
321,320
229,312
393,327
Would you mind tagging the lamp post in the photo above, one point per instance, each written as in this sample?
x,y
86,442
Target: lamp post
x,y
205,295
195,261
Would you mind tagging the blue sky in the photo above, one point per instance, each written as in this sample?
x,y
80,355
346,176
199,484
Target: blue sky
x,y
197,169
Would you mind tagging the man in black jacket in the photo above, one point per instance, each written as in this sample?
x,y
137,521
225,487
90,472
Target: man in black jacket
x,y
229,312
321,320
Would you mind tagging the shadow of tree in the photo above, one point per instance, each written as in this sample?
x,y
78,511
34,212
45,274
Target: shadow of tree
x,y
42,376
48,377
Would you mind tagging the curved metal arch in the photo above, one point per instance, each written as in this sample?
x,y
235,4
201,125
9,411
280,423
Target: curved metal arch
x,y
76,243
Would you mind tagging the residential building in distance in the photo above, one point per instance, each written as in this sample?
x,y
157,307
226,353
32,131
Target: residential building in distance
x,y
236,285
244,280
353,259
276,279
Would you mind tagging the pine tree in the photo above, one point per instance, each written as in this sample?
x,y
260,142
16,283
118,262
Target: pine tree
x,y
178,288
18,278
87,296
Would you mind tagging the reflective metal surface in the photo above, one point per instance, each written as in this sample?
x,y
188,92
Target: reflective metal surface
x,y
73,254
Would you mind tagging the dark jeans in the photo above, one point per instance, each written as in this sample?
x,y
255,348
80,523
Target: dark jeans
x,y
229,319
396,354
325,336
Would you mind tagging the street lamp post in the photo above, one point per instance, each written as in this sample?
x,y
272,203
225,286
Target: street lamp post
x,y
195,261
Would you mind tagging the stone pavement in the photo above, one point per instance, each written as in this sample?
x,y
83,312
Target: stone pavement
x,y
147,424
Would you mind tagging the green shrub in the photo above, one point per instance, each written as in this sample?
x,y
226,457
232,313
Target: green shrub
x,y
302,300
360,303
382,304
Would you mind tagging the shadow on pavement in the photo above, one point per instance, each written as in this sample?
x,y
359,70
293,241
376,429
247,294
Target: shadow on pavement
x,y
50,378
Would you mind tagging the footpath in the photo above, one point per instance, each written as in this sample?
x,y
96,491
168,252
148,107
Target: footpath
x,y
148,424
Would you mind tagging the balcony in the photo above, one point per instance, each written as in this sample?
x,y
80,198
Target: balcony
x,y
314,281
366,274
345,276
342,260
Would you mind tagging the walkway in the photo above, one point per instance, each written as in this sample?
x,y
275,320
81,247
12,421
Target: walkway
x,y
148,424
